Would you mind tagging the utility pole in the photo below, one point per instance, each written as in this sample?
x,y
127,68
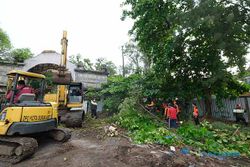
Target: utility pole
x,y
123,70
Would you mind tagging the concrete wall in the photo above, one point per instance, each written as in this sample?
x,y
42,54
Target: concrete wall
x,y
90,79
225,110
4,69
247,79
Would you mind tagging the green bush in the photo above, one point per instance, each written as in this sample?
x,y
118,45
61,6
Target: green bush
x,y
142,128
215,138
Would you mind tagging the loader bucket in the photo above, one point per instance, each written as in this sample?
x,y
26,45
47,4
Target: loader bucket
x,y
61,78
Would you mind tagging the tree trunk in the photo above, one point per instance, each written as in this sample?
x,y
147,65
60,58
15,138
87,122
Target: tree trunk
x,y
208,103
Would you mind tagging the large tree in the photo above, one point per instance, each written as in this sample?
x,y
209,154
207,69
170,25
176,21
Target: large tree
x,y
9,54
137,62
194,43
5,45
19,55
80,62
103,64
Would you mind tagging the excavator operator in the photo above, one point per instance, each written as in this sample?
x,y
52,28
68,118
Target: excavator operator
x,y
21,89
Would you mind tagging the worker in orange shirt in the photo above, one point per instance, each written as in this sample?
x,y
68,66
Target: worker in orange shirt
x,y
196,114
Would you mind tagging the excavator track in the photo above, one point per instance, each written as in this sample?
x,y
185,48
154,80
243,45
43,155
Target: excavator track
x,y
72,119
61,135
15,149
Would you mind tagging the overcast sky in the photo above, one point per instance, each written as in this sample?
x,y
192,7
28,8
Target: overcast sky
x,y
94,26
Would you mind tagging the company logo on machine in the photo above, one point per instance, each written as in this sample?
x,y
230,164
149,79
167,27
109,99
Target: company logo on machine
x,y
35,118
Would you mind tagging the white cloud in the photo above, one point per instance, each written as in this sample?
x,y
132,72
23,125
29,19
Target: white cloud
x,y
94,26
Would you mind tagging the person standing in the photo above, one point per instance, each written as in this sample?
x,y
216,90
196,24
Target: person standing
x,y
239,114
196,114
172,116
176,106
165,106
93,107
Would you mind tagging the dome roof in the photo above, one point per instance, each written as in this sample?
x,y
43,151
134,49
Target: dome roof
x,y
48,57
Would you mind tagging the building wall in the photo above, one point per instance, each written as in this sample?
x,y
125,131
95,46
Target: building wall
x,y
4,69
224,111
247,79
90,79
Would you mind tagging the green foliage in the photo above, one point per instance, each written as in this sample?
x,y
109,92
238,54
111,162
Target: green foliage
x,y
50,86
117,89
141,127
103,64
92,94
85,63
192,44
213,137
5,45
216,138
137,62
75,59
15,55
19,55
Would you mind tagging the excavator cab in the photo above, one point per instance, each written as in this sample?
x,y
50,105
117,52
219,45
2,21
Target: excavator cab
x,y
34,82
25,112
75,94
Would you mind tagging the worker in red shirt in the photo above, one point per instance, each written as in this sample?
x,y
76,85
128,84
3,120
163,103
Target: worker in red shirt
x,y
172,116
196,114
21,89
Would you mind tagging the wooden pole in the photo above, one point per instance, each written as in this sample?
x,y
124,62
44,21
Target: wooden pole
x,y
123,70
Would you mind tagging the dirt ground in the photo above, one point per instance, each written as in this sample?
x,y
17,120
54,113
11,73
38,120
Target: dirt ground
x,y
91,147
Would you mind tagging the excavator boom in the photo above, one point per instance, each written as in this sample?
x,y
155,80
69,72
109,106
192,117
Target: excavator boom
x,y
69,94
62,76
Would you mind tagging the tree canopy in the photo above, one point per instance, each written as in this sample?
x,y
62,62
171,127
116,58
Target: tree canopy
x,y
103,64
19,55
193,44
137,62
5,44
7,53
80,62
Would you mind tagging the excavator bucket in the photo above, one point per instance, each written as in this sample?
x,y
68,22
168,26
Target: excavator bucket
x,y
61,77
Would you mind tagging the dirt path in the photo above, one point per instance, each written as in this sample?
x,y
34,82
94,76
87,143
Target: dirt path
x,y
89,147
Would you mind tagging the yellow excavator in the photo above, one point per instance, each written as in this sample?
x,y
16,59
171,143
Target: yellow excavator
x,y
69,96
25,114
